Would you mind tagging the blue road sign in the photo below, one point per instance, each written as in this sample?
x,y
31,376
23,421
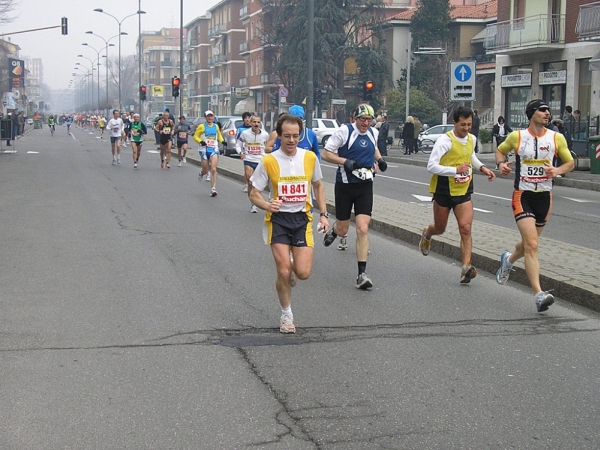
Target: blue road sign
x,y
463,73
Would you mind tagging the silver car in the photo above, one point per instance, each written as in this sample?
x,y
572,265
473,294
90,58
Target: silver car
x,y
324,128
229,130
428,137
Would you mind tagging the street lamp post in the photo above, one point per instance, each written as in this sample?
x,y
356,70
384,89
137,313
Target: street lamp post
x,y
98,83
81,56
87,73
100,10
106,42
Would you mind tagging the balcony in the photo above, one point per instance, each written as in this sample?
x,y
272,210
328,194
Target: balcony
x,y
266,78
588,22
526,35
243,82
244,48
244,14
215,89
217,30
216,60
190,67
166,64
193,92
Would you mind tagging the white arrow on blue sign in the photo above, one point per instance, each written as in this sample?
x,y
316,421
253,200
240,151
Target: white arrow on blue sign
x,y
463,73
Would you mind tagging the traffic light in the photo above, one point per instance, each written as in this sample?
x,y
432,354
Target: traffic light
x,y
318,96
175,82
63,26
368,90
142,93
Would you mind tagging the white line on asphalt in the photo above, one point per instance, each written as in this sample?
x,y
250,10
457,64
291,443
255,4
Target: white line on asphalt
x,y
483,210
32,152
579,200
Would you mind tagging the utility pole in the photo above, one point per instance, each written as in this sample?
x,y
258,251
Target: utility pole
x,y
310,90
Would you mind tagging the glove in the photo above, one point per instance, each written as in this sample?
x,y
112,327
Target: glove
x,y
350,165
382,165
203,144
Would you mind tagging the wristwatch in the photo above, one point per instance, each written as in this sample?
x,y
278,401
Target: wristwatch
x,y
325,214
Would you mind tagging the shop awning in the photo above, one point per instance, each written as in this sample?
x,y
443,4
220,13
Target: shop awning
x,y
244,105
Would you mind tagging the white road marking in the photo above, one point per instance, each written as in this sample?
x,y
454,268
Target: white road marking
x,y
423,198
483,210
153,151
579,200
32,152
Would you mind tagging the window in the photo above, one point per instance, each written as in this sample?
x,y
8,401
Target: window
x,y
519,14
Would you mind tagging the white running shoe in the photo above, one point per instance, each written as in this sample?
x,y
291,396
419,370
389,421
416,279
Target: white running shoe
x,y
208,176
503,272
179,165
213,192
184,160
114,161
286,324
343,245
543,300
253,209
245,188
363,282
135,165
200,176
118,160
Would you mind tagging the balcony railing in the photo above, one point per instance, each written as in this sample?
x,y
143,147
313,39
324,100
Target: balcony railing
x,y
215,89
219,59
528,32
243,47
266,78
193,92
588,22
190,67
217,30
166,64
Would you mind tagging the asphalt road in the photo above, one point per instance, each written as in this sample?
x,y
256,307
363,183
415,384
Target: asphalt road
x,y
138,312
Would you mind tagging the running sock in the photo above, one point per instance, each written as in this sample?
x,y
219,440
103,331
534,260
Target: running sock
x,y
362,267
287,311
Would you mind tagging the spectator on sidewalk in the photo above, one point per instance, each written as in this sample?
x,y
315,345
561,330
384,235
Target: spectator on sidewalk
x,y
384,130
408,133
417,123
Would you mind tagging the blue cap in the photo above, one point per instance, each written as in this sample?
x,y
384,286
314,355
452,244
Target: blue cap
x,y
297,110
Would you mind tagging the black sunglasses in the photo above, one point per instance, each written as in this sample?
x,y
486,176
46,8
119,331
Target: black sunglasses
x,y
543,109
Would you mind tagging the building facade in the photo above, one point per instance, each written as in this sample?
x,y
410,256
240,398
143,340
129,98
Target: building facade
x,y
549,50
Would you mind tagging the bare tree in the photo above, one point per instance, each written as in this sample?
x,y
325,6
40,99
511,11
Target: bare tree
x,y
6,7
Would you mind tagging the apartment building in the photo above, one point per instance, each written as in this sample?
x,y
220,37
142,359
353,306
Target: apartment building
x,y
545,49
160,64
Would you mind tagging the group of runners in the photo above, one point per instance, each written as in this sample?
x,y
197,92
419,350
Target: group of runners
x,y
287,162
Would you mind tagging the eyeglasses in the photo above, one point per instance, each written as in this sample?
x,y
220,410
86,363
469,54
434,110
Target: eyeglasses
x,y
365,119
543,109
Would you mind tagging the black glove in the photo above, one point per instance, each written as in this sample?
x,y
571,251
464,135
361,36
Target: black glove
x,y
350,165
203,144
224,143
382,165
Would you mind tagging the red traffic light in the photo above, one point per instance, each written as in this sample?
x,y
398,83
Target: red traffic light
x,y
369,84
143,88
176,82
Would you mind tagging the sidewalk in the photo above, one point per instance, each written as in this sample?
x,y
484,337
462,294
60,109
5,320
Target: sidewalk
x,y
569,270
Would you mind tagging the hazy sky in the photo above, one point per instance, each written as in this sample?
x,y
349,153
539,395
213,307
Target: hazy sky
x,y
59,53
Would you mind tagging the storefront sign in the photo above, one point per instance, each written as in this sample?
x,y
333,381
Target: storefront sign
x,y
553,77
16,73
521,79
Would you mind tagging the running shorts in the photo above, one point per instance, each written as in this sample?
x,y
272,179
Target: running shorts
x,y
537,205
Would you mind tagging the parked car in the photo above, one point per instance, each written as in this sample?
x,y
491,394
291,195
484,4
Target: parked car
x,y
229,129
428,137
324,128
